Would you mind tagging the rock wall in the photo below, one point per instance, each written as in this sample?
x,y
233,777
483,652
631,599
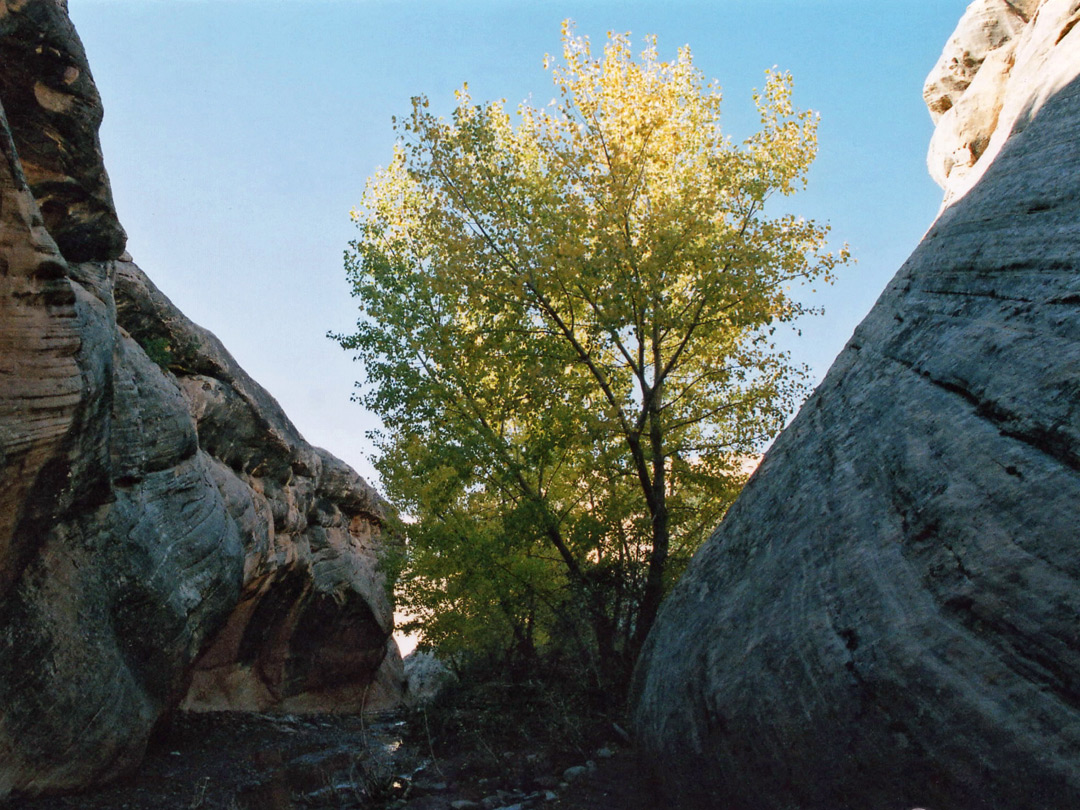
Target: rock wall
x,y
889,616
999,67
167,537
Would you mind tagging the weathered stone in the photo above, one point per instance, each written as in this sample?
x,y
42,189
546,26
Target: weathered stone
x,y
575,772
166,535
890,614
987,26
313,622
55,111
997,70
426,677
41,385
343,776
120,557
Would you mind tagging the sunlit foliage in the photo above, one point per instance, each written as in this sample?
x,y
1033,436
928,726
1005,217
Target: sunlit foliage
x,y
566,327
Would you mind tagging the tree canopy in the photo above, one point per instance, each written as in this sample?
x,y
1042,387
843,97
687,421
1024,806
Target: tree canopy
x,y
566,326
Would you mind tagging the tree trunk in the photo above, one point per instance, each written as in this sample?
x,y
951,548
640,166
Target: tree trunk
x,y
661,540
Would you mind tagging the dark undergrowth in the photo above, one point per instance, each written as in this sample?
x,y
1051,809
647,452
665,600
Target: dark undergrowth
x,y
541,740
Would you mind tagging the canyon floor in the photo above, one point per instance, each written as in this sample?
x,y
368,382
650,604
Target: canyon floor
x,y
229,761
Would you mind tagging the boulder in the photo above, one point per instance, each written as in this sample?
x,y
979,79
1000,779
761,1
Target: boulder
x,y
167,538
889,616
426,678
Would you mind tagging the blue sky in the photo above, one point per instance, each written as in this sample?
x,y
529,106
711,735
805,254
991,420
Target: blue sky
x,y
239,133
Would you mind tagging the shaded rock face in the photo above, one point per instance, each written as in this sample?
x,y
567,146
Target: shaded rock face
x,y
311,629
167,537
889,617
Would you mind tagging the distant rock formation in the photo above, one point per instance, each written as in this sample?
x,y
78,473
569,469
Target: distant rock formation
x,y
166,535
889,616
426,678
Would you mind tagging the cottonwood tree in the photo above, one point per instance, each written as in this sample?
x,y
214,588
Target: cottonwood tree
x,y
566,326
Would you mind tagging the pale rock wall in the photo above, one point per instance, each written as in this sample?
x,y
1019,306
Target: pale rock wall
x,y
997,70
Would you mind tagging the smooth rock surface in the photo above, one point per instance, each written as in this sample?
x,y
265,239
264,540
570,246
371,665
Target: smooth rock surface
x,y
889,616
166,535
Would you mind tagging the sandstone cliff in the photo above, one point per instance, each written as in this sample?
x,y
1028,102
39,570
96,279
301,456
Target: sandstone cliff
x,y
166,535
889,617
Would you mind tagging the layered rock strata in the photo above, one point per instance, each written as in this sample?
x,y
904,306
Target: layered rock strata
x,y
889,617
167,537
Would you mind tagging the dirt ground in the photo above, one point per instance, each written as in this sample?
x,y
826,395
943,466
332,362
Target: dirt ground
x,y
233,761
